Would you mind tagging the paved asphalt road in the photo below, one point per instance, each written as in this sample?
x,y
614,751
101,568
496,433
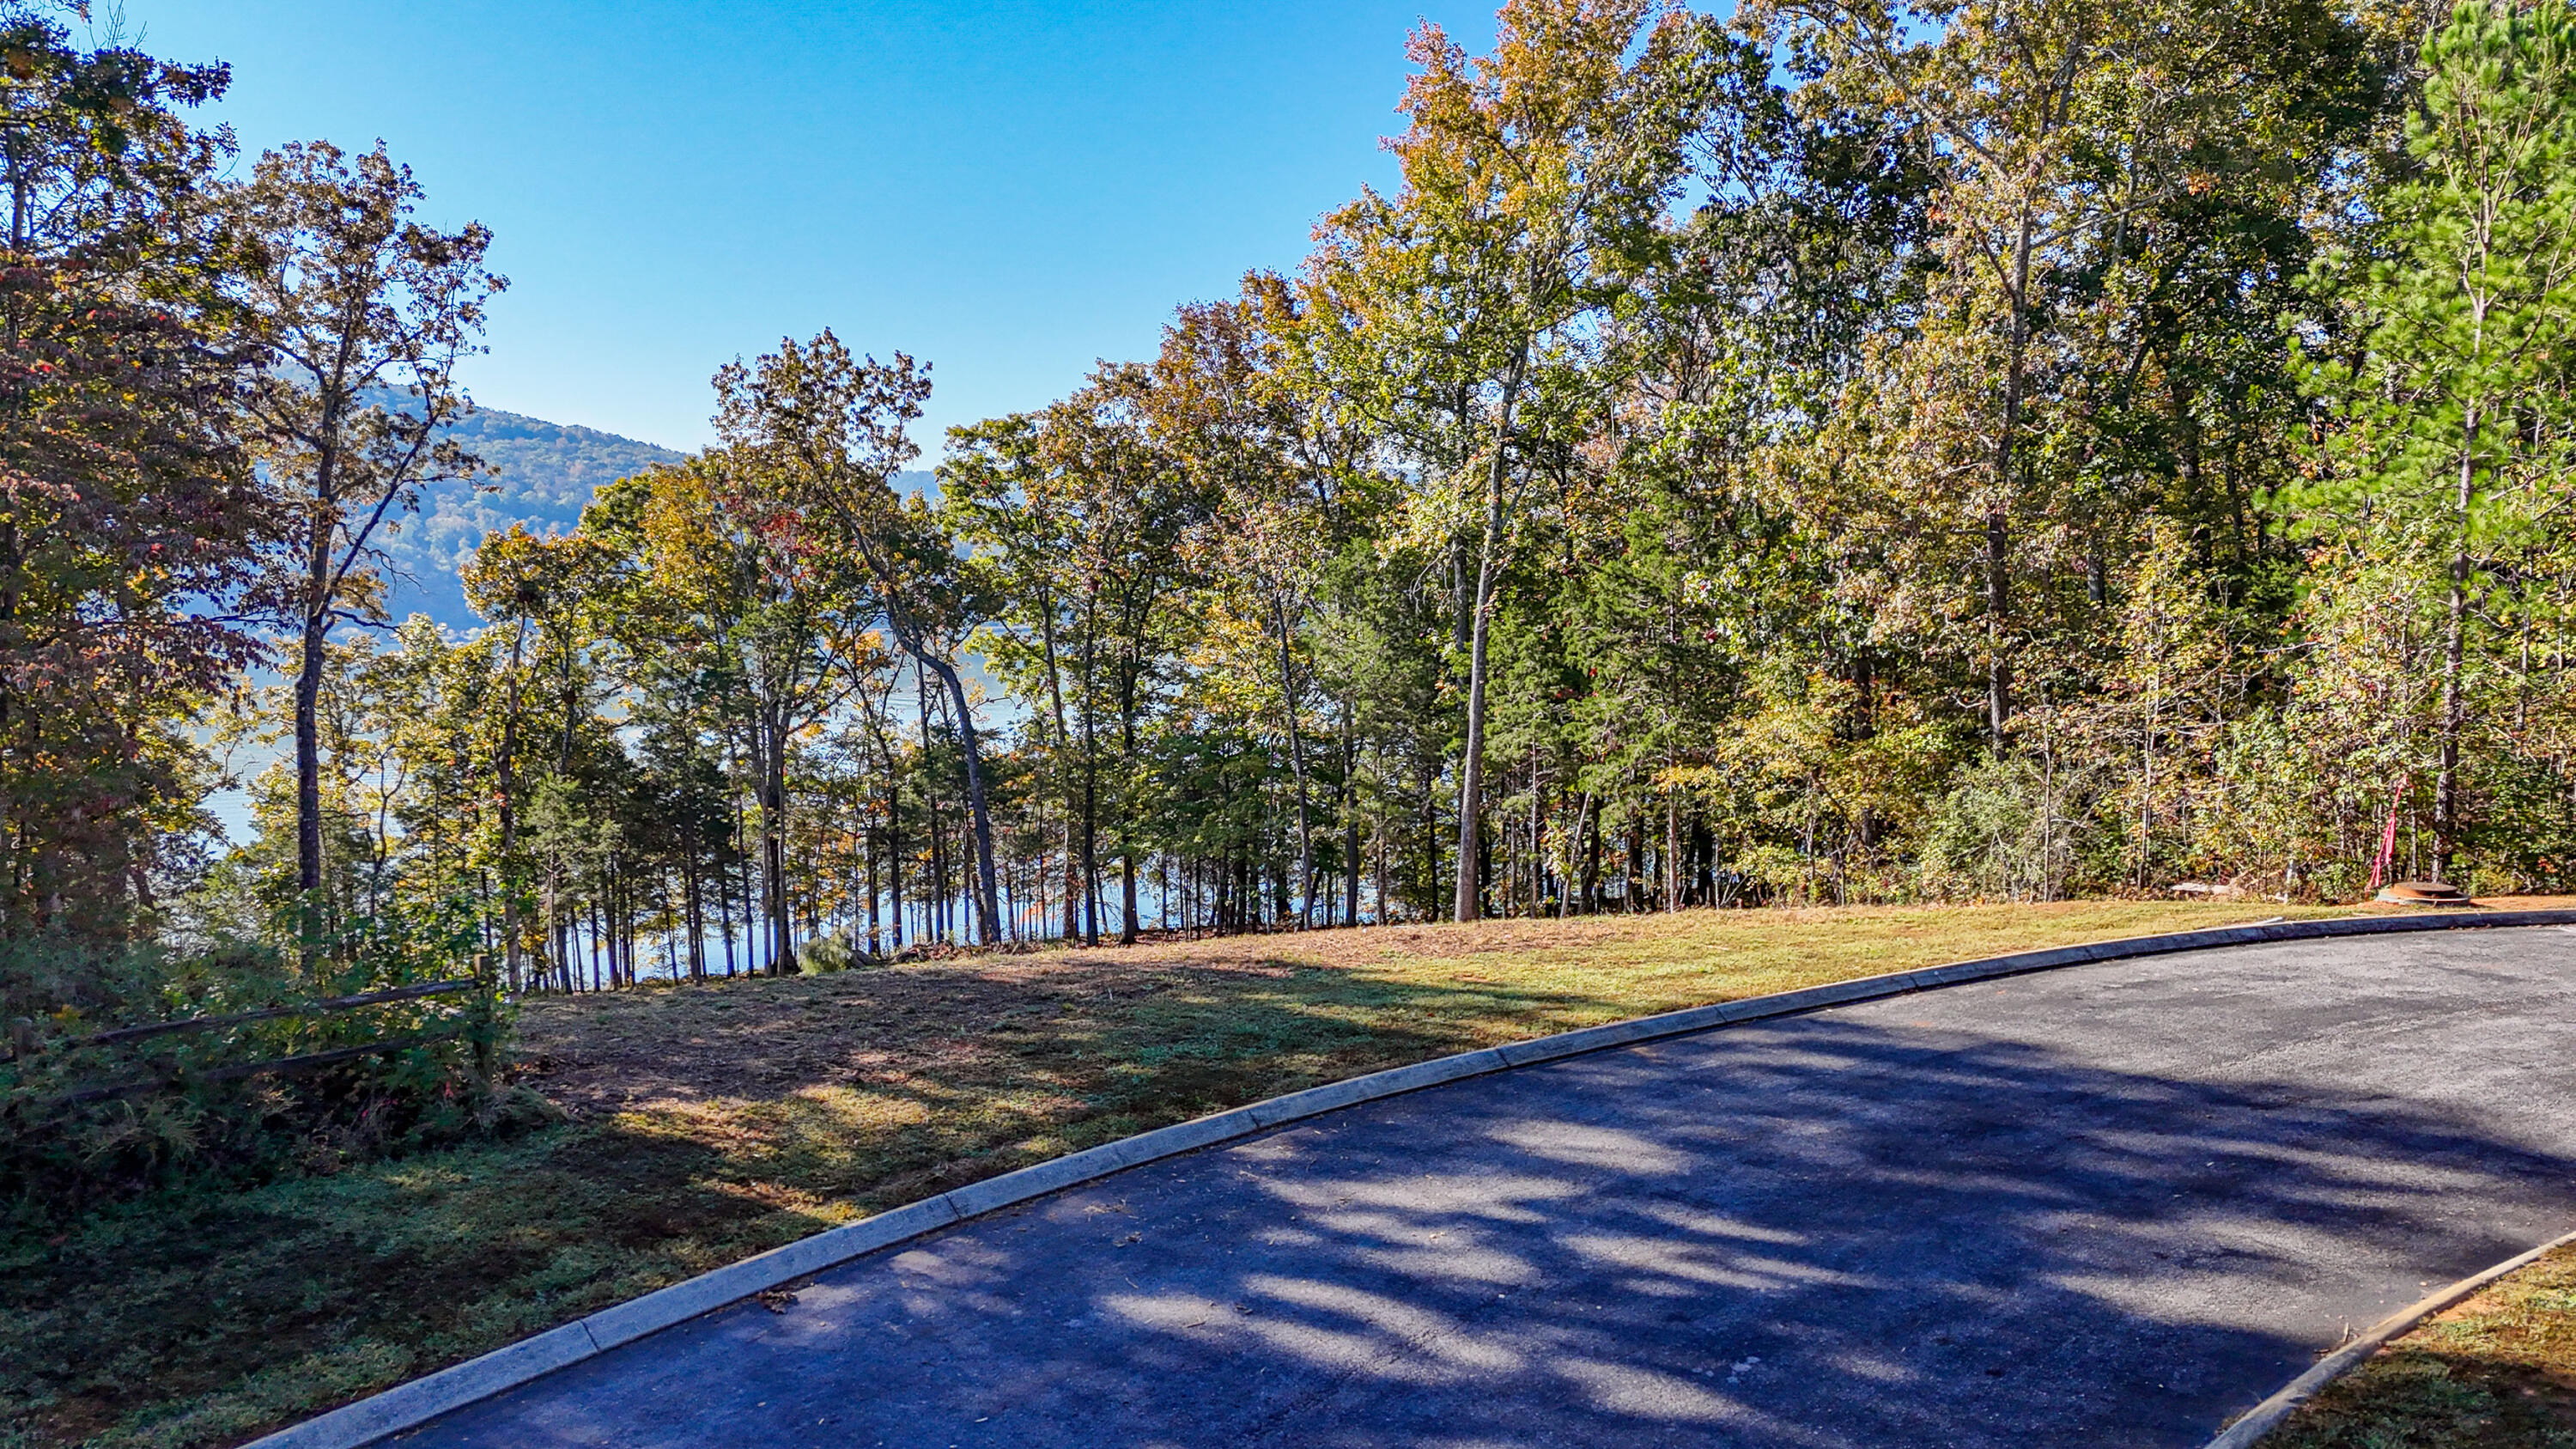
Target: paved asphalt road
x,y
2107,1205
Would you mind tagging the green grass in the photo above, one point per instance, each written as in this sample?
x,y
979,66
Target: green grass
x,y
706,1124
2497,1372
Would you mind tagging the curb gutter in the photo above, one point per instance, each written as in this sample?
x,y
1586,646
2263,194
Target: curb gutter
x,y
2266,1416
417,1402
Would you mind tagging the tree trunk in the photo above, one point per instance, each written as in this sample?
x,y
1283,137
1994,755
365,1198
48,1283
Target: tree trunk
x,y
1537,843
1297,765
695,905
1578,884
308,671
1672,851
1090,792
724,915
987,897
308,731
2446,785
876,943
1471,771
1999,512
934,886
1350,823
773,846
894,854
1998,609
508,772
1590,839
1126,842
308,764
1064,744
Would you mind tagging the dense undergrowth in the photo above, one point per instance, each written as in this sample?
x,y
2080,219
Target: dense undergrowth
x,y
273,1072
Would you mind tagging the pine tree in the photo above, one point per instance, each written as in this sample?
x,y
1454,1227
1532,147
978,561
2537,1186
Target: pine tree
x,y
2448,442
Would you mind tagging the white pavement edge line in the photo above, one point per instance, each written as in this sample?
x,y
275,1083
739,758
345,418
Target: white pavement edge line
x,y
2266,1416
410,1405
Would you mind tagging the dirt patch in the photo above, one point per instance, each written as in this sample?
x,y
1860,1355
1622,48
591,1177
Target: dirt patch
x,y
758,1038
754,1037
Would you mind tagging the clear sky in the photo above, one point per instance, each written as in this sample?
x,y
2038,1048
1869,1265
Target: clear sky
x,y
1009,190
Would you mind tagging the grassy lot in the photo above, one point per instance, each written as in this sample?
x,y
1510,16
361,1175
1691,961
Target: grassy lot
x,y
2497,1372
705,1124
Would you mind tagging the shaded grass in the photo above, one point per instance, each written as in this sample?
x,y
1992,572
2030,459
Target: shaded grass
x,y
704,1124
2496,1372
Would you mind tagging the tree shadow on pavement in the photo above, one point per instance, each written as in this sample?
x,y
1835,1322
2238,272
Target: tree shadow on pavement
x,y
1819,1232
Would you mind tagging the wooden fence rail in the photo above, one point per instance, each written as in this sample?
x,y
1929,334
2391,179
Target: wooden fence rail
x,y
271,1013
25,1045
23,1041
281,1066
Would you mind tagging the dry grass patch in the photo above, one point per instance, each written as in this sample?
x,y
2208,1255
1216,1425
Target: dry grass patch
x,y
708,1123
2496,1372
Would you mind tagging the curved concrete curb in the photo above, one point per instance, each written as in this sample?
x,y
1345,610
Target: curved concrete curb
x,y
2266,1416
426,1398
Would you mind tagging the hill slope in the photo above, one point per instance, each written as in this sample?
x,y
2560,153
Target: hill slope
x,y
547,474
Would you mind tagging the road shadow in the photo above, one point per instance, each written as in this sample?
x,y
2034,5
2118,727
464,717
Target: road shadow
x,y
1816,1232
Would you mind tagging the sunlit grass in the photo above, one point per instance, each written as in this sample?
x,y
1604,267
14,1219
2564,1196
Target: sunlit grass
x,y
2497,1372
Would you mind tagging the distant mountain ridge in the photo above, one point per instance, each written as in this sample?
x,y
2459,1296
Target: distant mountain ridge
x,y
547,474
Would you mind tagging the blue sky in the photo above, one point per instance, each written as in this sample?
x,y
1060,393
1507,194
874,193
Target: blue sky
x,y
1010,190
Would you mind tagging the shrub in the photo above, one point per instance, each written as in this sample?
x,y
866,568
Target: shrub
x,y
821,955
91,1109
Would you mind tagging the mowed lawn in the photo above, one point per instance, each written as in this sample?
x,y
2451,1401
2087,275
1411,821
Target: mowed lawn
x,y
703,1124
2496,1372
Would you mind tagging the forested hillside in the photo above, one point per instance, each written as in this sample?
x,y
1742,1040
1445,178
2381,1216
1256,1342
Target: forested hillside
x,y
542,477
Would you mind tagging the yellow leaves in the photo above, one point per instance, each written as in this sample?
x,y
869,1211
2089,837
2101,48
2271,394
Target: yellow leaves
x,y
1430,518
1234,662
1687,777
